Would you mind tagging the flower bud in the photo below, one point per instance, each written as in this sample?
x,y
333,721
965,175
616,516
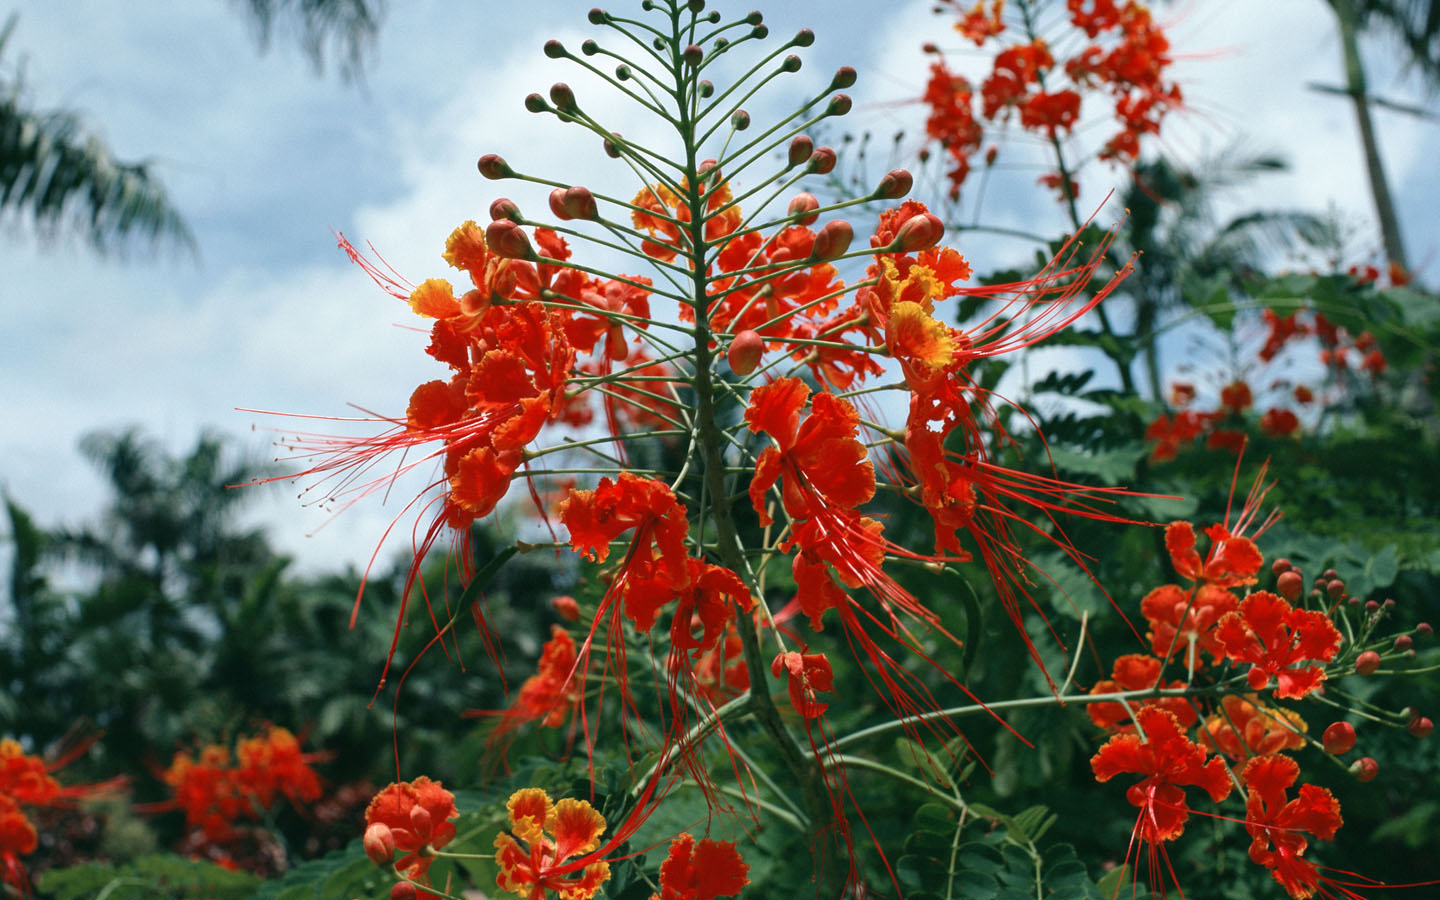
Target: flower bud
x,y
1404,642
833,240
563,97
822,161
1364,769
1424,629
800,149
1372,606
535,103
504,208
1329,573
803,38
1281,566
929,47
1367,662
745,352
844,78
598,16
1289,585
1389,603
1420,727
504,238
590,47
760,32
706,88
579,203
624,72
840,104
896,184
754,17
1336,588
740,120
790,63
493,167
557,205
1339,738
693,55
420,821
919,233
612,149
566,608
402,890
804,206
379,843
554,49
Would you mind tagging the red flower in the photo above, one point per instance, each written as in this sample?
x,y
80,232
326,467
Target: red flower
x,y
418,814
805,675
1136,672
1178,617
595,518
1246,727
701,871
1277,826
1169,762
1234,560
1236,397
1279,422
551,692
272,763
1273,637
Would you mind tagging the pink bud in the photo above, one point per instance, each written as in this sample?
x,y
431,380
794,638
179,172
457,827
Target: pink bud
x,y
1404,642
896,184
402,890
379,843
693,55
745,352
822,161
919,233
800,149
1339,738
504,238
504,208
493,166
1364,769
1336,588
1367,662
1424,628
1281,566
1420,727
804,206
833,240
557,205
1289,584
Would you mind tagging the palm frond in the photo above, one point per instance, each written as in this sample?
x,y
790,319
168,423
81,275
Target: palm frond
x,y
345,27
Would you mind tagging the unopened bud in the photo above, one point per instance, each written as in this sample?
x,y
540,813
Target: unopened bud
x,y
800,149
929,47
1339,738
493,167
790,63
896,184
1315,594
1364,769
822,161
1372,606
379,843
754,17
1389,603
1336,588
504,208
402,890
598,16
696,6
557,205
803,38
1367,662
844,78
693,55
624,72
566,608
420,821
740,120
804,206
590,47
579,203
1289,585
535,103
563,97
612,149
919,233
760,32
554,49
1404,642
1424,629
840,104
1329,573
1420,727
833,240
504,238
745,352
1281,566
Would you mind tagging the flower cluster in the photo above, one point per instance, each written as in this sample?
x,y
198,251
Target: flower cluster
x,y
218,791
1124,57
1240,656
27,781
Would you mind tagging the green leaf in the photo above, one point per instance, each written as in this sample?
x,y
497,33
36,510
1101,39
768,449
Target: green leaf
x,y
1210,296
1112,466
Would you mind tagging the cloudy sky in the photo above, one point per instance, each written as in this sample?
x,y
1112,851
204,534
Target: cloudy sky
x,y
264,159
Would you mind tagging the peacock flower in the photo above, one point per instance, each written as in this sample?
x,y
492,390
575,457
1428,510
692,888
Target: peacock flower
x,y
1276,638
1278,825
557,838
418,814
702,870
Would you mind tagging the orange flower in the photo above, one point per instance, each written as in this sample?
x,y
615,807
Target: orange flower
x,y
1234,560
1178,616
1135,672
1169,762
273,762
701,871
805,675
1247,728
558,837
418,814
17,838
1278,826
1273,637
551,692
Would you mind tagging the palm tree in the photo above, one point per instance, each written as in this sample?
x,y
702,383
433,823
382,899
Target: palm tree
x,y
1415,25
57,177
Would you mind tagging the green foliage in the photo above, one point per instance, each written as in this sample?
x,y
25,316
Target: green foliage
x,y
146,878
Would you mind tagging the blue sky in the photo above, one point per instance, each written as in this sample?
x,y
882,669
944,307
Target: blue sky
x,y
264,160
